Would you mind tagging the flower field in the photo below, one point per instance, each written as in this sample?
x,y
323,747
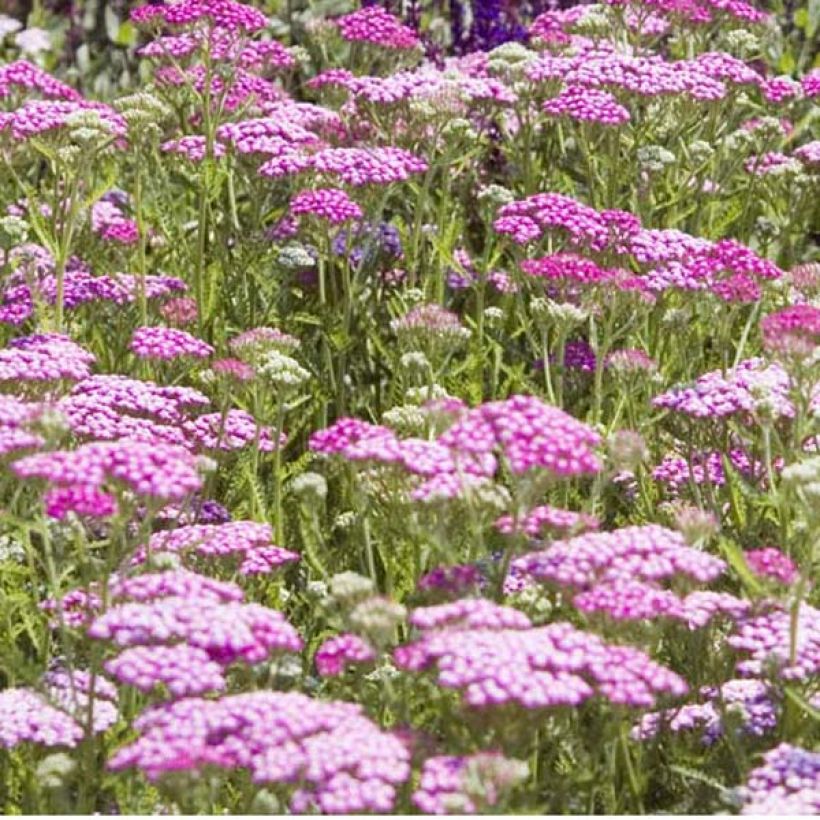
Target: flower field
x,y
410,408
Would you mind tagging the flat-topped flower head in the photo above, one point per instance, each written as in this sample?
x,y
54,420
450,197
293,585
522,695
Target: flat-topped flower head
x,y
44,358
792,331
374,25
340,652
768,639
330,204
587,105
751,703
343,762
771,563
537,668
151,470
531,435
229,632
256,342
546,520
182,670
22,75
226,14
786,784
465,785
646,553
167,343
27,717
750,387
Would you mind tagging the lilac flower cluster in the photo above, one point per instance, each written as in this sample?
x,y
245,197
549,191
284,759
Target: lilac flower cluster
x,y
54,717
463,785
676,472
223,45
619,574
71,692
80,287
343,761
81,500
767,637
752,702
786,784
15,417
648,553
182,669
743,391
109,222
359,166
26,717
670,258
42,116
530,434
792,331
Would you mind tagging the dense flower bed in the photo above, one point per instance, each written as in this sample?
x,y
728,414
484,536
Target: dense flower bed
x,y
396,424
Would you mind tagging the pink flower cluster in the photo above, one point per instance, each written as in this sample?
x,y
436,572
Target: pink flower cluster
x,y
110,223
46,357
548,521
54,718
180,607
529,434
21,74
166,343
534,667
26,717
149,470
372,24
41,116
792,331
112,407
248,541
223,45
587,105
343,762
770,562
226,14
353,166
331,204
337,653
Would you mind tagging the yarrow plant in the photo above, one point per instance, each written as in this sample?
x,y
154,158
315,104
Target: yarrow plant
x,y
409,408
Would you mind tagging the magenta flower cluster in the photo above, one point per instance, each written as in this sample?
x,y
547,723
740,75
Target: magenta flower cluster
x,y
343,762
